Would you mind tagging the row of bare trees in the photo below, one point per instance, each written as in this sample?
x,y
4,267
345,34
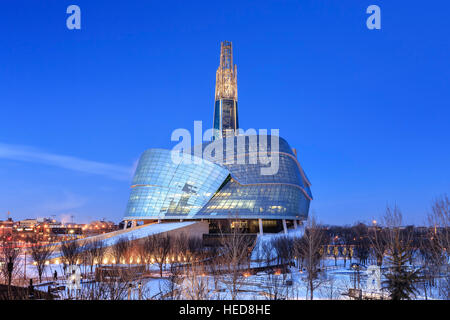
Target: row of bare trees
x,y
415,260
412,259
307,252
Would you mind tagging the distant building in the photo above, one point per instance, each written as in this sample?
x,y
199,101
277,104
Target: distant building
x,y
26,224
99,227
6,228
74,231
45,229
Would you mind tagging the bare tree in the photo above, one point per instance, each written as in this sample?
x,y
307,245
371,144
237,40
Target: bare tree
x,y
159,247
95,252
427,253
171,287
362,242
310,247
335,254
274,286
119,250
299,252
234,252
213,265
10,257
180,248
111,284
378,239
346,239
141,253
98,251
284,248
70,251
439,218
439,242
187,249
40,255
195,249
196,285
330,290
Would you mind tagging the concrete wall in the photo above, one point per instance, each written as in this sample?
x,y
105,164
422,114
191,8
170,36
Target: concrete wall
x,y
196,229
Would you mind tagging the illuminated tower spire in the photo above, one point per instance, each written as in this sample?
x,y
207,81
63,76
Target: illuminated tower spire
x,y
226,79
225,109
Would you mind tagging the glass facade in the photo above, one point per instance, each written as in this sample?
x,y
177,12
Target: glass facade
x,y
240,165
250,194
225,189
225,116
257,201
162,188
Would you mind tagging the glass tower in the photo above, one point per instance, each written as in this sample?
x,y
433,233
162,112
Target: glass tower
x,y
225,108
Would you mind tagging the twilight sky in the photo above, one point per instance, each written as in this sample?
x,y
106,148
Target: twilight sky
x,y
367,110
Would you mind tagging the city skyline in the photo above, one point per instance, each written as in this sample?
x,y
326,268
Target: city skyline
x,y
366,109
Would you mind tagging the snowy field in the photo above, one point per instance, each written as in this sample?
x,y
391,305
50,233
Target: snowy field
x,y
333,284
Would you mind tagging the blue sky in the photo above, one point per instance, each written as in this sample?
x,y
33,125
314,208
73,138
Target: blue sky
x,y
367,110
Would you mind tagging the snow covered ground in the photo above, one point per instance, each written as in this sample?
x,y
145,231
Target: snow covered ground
x,y
333,284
